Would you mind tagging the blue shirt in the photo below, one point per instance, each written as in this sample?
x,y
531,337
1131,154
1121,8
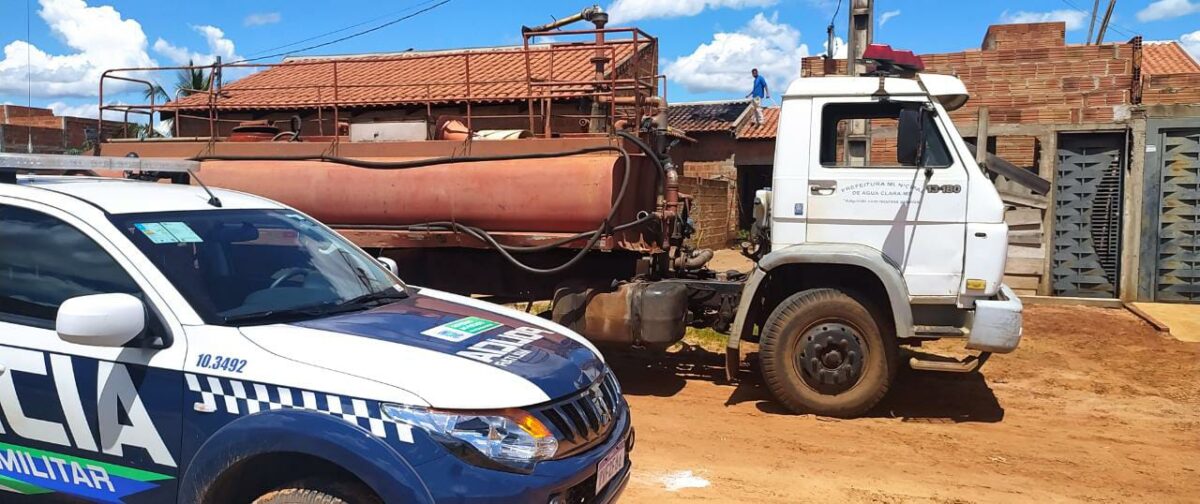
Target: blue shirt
x,y
760,87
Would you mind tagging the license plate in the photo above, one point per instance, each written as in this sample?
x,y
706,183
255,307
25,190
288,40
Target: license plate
x,y
609,466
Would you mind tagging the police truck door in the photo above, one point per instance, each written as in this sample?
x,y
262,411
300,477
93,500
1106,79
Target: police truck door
x,y
79,421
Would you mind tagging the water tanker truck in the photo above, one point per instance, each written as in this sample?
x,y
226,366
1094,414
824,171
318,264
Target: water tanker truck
x,y
545,175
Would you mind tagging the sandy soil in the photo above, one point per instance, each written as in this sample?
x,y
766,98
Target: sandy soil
x,y
1094,407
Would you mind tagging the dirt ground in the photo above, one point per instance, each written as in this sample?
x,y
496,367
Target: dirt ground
x,y
1095,406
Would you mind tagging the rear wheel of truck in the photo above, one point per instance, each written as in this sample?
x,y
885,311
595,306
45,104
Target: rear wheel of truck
x,y
822,351
319,492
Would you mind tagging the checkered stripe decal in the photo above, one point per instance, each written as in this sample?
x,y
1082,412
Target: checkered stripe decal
x,y
245,398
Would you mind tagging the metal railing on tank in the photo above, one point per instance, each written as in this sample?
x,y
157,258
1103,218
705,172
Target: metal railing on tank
x,y
615,72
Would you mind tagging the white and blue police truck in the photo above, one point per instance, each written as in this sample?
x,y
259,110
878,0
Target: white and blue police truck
x,y
172,343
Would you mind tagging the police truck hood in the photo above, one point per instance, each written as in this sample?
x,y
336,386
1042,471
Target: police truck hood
x,y
453,351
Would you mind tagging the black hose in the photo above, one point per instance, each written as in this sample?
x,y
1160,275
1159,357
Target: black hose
x,y
448,226
401,165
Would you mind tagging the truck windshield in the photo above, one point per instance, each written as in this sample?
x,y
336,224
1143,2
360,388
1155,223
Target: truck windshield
x,y
249,267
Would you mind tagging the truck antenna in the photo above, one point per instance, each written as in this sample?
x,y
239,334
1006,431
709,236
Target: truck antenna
x,y
212,198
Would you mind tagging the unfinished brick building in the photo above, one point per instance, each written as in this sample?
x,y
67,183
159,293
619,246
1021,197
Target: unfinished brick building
x,y
25,128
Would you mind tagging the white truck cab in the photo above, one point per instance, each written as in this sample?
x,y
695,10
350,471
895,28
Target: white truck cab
x,y
939,217
902,242
171,343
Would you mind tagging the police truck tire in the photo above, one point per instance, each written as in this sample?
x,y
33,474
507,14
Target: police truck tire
x,y
318,492
823,352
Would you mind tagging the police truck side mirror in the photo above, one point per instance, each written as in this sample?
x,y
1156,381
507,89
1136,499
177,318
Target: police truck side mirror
x,y
910,137
110,320
389,264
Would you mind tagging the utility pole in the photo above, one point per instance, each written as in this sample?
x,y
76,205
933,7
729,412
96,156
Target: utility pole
x,y
1092,25
1104,24
857,146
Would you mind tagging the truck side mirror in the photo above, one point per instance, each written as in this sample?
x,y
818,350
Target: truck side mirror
x,y
389,264
109,320
910,137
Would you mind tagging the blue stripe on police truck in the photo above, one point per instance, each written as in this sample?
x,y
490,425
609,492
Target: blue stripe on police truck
x,y
554,362
211,394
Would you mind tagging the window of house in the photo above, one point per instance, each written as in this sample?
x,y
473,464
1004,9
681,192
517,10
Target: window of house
x,y
881,120
45,261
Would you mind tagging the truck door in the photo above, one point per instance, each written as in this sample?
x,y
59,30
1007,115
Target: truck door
x,y
914,212
80,422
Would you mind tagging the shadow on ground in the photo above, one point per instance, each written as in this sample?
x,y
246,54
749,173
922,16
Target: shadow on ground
x,y
915,396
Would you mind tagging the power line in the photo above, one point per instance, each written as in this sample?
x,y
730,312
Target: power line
x,y
348,37
344,28
1111,25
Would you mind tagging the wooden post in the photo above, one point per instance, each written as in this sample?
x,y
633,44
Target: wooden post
x,y
981,137
1047,166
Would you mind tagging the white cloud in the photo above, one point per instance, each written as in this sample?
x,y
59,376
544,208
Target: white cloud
x,y
883,18
724,63
1191,42
1167,9
91,110
625,11
215,41
101,39
1073,18
262,18
840,49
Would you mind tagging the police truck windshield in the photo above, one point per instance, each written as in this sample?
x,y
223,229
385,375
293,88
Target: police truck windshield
x,y
250,267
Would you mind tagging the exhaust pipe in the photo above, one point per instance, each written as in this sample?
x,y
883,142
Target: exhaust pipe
x,y
594,14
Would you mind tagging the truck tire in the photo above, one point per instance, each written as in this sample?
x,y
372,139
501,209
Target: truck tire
x,y
318,492
822,351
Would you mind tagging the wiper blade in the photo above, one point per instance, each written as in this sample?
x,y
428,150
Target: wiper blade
x,y
276,315
370,299
362,302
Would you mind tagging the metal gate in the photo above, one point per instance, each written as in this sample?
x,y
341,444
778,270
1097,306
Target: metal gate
x,y
1177,275
1087,216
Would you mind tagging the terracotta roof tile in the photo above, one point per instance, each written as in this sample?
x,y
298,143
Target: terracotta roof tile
x,y
1167,58
712,116
763,131
495,75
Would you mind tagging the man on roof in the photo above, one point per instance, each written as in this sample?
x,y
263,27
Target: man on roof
x,y
757,94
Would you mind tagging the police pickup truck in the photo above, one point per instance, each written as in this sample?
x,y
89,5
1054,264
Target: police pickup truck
x,y
167,342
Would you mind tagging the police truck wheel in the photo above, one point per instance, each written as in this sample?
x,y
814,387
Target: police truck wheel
x,y
318,492
823,352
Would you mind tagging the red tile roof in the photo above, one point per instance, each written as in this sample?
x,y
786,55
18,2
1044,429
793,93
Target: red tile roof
x,y
764,131
1167,58
495,75
708,116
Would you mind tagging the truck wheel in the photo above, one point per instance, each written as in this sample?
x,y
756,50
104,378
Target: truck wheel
x,y
318,492
822,352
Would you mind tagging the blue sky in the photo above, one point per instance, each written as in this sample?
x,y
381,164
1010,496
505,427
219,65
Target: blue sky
x,y
707,46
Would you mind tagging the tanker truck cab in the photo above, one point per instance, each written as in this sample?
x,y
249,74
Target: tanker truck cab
x,y
863,250
172,343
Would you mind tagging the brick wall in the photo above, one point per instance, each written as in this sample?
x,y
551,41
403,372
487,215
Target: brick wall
x,y
1018,150
1025,36
45,140
1043,85
724,171
711,212
1171,89
9,112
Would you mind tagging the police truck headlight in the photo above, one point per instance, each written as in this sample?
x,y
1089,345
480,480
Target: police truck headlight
x,y
513,438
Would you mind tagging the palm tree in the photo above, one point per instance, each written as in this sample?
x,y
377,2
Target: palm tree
x,y
188,81
191,80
